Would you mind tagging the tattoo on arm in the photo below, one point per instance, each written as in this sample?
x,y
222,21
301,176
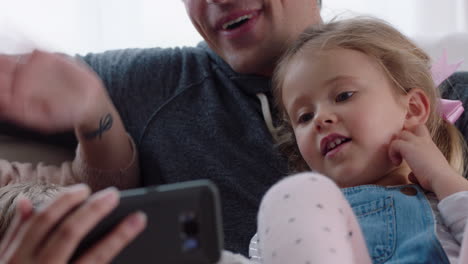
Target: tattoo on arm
x,y
105,124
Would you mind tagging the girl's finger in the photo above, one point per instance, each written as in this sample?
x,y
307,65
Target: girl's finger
x,y
394,152
422,131
106,249
66,237
412,178
406,135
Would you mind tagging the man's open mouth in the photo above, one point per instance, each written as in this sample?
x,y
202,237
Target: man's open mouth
x,y
233,24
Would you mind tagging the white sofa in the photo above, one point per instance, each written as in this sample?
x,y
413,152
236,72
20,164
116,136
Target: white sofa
x,y
455,45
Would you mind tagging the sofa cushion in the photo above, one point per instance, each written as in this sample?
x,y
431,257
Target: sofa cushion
x,y
24,145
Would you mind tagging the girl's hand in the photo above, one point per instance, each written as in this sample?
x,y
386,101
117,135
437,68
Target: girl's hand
x,y
50,92
51,234
426,161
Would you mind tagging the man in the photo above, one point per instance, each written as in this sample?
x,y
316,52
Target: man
x,y
194,112
203,112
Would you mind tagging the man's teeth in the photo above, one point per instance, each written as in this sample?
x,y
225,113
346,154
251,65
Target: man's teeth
x,y
237,20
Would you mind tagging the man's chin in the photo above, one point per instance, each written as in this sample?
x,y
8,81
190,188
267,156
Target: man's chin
x,y
251,67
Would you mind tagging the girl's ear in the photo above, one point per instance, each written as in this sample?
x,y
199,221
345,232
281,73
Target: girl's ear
x,y
418,108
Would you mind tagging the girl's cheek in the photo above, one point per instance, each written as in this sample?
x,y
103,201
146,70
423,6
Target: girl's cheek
x,y
307,152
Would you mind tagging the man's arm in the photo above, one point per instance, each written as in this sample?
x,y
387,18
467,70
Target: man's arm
x,y
52,93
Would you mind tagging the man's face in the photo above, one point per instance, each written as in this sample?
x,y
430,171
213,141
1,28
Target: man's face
x,y
250,35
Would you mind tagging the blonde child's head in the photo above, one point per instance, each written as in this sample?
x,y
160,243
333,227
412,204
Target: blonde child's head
x,y
37,193
405,66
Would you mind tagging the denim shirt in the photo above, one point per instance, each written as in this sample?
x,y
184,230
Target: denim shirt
x,y
398,224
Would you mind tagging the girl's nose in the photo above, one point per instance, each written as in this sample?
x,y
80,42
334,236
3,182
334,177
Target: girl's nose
x,y
324,120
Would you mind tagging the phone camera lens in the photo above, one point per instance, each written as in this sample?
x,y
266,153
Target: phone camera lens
x,y
189,231
190,244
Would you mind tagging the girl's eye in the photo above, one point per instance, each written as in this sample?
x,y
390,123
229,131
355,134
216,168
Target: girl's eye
x,y
343,96
304,118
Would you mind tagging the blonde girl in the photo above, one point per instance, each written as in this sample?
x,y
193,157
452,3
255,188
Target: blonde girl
x,y
362,111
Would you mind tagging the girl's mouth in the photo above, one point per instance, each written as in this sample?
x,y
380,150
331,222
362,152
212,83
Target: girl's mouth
x,y
331,143
336,149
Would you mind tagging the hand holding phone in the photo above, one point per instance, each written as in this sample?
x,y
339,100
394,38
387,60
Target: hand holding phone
x,y
183,224
51,233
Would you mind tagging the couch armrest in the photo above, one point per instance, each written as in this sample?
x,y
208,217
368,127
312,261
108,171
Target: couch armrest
x,y
24,145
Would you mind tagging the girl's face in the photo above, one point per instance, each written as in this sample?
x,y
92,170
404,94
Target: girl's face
x,y
344,112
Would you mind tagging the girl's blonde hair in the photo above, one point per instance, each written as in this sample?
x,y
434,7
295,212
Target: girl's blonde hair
x,y
36,192
406,65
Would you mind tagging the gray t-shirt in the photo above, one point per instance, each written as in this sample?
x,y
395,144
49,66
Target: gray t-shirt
x,y
193,117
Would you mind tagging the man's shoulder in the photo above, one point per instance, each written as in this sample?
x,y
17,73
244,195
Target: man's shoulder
x,y
143,57
455,87
459,78
169,69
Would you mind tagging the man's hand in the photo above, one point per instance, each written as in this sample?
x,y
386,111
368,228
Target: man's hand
x,y
49,92
53,93
51,234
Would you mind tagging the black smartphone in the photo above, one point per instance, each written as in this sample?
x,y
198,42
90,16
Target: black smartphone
x,y
184,224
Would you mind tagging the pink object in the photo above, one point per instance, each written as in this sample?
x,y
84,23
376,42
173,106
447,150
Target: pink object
x,y
441,70
305,218
450,110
